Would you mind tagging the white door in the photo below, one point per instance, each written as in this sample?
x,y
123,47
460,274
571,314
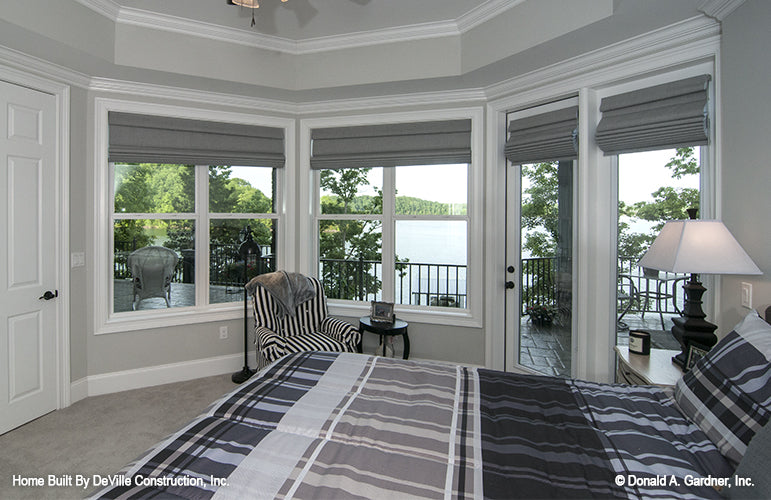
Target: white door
x,y
28,322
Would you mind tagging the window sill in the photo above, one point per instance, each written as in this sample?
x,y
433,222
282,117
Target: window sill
x,y
163,318
413,314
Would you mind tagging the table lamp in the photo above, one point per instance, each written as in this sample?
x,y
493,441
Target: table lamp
x,y
698,247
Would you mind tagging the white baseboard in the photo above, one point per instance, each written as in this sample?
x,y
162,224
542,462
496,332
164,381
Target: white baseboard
x,y
107,383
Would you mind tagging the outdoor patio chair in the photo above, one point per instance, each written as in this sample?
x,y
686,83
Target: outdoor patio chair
x,y
152,269
657,291
308,329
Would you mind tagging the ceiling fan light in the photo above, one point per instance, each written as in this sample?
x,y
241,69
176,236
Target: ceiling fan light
x,y
250,4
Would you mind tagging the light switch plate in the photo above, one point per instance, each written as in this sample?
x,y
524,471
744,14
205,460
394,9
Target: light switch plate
x,y
77,259
747,295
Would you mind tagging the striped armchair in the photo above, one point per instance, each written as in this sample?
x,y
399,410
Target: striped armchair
x,y
311,329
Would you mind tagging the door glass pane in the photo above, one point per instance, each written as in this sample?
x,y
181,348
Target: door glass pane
x,y
546,267
431,263
153,264
227,274
653,187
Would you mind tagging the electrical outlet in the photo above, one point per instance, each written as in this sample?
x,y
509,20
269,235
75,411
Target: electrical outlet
x,y
223,332
747,295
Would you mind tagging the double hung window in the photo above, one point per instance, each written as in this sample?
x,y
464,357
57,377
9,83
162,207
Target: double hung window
x,y
185,196
392,217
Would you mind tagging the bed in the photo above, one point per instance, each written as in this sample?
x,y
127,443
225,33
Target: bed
x,y
345,425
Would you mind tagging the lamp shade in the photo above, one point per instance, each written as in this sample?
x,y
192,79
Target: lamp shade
x,y
699,247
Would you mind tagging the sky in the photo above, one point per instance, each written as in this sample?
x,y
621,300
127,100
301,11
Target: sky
x,y
640,174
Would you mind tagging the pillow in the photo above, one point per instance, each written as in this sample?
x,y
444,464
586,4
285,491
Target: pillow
x,y
728,392
754,468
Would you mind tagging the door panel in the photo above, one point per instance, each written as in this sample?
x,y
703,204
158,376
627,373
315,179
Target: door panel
x,y
28,325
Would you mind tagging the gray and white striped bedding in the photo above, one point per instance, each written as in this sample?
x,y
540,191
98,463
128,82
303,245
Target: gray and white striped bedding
x,y
343,425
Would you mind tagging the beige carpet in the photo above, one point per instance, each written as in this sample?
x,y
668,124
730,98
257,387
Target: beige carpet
x,y
99,435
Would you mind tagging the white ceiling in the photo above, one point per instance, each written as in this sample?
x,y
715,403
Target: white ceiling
x,y
304,20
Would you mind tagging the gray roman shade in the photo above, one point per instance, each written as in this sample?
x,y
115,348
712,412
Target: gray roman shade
x,y
158,139
546,137
399,144
661,117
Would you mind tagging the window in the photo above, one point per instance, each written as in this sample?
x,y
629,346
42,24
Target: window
x,y
394,217
155,206
426,219
179,196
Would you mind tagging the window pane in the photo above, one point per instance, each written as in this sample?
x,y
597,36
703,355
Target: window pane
x,y
150,188
153,264
352,191
431,263
350,259
653,187
245,190
226,264
432,190
546,267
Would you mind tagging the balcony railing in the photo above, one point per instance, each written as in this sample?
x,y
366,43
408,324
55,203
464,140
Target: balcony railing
x,y
426,284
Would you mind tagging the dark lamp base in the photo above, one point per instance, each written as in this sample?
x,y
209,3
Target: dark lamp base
x,y
242,376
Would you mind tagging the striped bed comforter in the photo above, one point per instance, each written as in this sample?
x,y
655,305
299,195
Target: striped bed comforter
x,y
341,425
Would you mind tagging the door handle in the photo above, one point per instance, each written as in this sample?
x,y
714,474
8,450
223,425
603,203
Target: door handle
x,y
49,295
509,285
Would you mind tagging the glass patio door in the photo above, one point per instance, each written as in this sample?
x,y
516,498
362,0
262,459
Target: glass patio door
x,y
539,268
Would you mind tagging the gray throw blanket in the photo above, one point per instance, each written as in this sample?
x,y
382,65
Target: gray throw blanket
x,y
288,290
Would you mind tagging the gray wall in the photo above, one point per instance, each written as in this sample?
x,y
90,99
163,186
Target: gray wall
x,y
746,172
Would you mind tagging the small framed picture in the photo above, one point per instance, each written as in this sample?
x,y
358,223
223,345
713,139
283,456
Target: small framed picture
x,y
695,353
382,312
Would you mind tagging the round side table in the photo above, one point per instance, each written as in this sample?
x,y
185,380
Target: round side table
x,y
398,327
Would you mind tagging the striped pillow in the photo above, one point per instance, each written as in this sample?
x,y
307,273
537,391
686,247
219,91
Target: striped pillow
x,y
728,392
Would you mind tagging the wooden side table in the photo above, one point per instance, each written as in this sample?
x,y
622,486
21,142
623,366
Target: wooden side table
x,y
398,327
655,369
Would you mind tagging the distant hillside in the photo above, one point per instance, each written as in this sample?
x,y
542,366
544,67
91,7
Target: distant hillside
x,y
404,205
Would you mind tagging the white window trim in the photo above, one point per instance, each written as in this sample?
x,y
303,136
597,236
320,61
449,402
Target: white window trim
x,y
308,225
105,321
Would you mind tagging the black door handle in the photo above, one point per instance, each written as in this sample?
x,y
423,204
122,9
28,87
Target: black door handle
x,y
509,285
49,295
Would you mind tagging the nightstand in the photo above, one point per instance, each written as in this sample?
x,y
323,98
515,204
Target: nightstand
x,y
655,369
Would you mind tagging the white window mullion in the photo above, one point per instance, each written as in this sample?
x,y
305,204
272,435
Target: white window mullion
x,y
201,235
388,239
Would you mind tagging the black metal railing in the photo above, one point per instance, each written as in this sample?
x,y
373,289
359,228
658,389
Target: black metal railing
x,y
416,283
226,268
426,284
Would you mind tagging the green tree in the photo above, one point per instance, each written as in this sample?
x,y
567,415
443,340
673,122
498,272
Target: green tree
x,y
539,212
350,242
668,204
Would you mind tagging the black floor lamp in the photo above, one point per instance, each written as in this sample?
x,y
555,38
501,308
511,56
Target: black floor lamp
x,y
248,248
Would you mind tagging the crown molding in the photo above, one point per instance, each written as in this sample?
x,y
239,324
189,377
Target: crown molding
x,y
449,97
719,9
106,8
685,35
484,13
112,86
31,64
177,24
